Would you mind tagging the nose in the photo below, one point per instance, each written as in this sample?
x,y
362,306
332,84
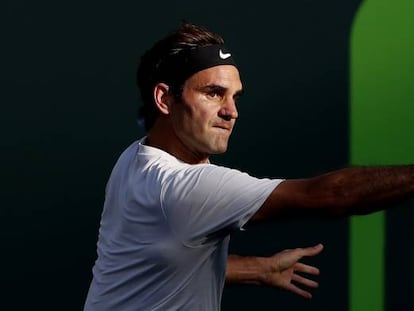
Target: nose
x,y
228,110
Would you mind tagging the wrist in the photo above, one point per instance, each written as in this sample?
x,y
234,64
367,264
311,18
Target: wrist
x,y
247,270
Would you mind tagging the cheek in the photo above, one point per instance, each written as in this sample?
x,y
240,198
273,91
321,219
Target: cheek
x,y
205,118
197,112
200,114
187,119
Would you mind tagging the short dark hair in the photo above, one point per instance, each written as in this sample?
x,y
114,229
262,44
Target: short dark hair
x,y
187,36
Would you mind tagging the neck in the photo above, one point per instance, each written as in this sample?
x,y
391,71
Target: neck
x,y
162,136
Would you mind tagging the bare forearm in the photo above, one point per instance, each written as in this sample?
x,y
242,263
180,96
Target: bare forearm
x,y
363,190
349,191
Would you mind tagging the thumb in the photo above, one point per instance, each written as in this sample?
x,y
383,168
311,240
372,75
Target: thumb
x,y
312,250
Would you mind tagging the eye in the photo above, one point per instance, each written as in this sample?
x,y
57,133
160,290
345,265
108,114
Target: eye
x,y
237,96
213,94
236,99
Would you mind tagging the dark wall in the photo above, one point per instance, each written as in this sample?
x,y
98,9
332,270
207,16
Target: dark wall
x,y
69,99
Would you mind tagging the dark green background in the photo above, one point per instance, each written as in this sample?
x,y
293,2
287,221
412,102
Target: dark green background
x,y
69,99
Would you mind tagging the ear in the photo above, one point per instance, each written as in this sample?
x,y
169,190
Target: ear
x,y
162,98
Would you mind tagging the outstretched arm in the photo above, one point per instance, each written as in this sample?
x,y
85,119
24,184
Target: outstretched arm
x,y
345,192
281,270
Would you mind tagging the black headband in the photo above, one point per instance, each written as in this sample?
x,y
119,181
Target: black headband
x,y
179,67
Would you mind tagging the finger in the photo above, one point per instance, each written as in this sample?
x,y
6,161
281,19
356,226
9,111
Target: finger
x,y
304,268
298,291
311,251
304,281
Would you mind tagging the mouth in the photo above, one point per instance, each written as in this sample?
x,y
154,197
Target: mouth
x,y
223,127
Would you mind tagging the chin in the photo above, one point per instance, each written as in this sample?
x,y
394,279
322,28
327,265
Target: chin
x,y
219,150
216,146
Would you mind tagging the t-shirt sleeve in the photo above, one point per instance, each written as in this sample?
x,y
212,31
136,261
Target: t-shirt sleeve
x,y
203,203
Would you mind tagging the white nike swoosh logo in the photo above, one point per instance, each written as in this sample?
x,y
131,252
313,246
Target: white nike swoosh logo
x,y
224,55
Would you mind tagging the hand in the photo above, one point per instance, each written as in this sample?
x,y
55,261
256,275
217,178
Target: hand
x,y
285,270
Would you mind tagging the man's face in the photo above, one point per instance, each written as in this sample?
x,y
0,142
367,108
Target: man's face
x,y
203,120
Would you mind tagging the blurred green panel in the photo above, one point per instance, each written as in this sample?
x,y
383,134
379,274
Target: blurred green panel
x,y
382,123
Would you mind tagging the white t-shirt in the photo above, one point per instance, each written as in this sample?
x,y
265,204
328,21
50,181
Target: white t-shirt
x,y
164,232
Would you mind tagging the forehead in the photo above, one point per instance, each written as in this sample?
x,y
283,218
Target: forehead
x,y
226,76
